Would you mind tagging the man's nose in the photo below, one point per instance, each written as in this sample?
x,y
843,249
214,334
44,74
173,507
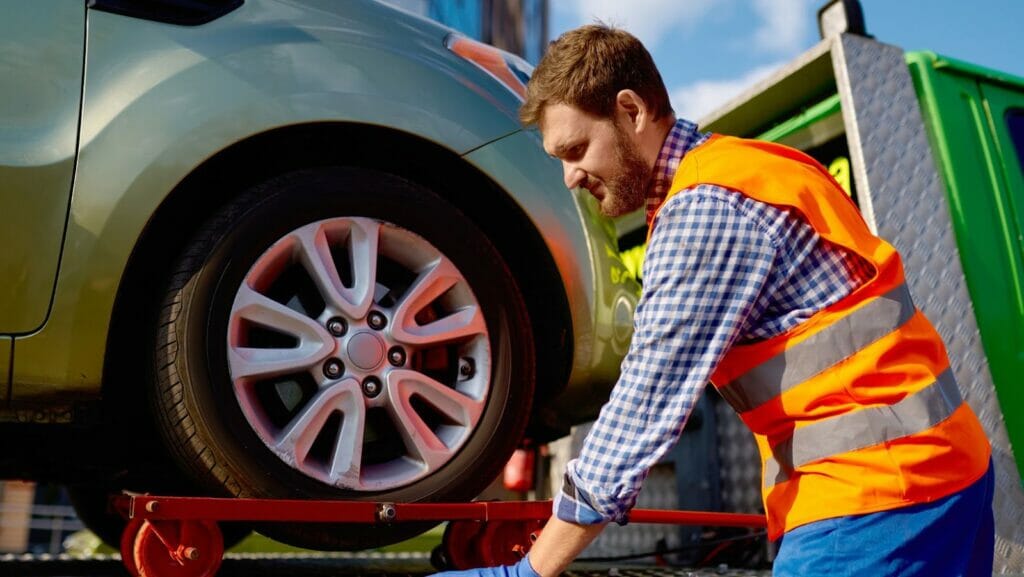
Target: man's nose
x,y
574,176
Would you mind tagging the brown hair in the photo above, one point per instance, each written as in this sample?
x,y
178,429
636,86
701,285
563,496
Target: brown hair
x,y
587,67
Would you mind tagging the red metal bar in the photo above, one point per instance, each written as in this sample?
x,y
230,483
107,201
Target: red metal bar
x,y
477,511
220,509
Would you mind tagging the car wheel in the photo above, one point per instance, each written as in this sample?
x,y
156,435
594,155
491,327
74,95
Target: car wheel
x,y
343,333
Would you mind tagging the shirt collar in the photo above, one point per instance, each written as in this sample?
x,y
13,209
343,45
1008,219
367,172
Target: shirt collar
x,y
683,137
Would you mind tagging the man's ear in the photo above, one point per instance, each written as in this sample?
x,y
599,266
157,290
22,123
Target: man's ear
x,y
630,107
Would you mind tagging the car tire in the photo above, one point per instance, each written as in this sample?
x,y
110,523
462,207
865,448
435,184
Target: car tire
x,y
92,506
438,425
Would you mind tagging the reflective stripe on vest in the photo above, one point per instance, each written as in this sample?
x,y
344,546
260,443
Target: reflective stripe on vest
x,y
820,351
864,428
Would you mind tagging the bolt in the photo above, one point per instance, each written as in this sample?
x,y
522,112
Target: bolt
x,y
152,506
372,387
376,320
386,512
337,326
396,356
333,368
190,553
466,368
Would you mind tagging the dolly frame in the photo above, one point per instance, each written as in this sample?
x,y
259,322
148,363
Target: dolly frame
x,y
168,536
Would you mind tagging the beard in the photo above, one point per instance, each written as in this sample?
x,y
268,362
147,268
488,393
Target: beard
x,y
627,190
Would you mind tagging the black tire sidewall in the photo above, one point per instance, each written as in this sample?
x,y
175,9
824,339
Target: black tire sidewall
x,y
238,460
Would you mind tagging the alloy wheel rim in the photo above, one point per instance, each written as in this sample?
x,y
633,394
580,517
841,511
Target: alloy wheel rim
x,y
359,354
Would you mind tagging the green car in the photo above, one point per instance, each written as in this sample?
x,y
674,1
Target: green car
x,y
285,248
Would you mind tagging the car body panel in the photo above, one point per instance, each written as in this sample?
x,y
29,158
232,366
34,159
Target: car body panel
x,y
264,66
41,48
601,304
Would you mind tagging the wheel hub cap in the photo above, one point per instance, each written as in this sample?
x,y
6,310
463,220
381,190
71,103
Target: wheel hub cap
x,y
366,351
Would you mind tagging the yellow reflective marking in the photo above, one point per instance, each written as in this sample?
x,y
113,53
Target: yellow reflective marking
x,y
840,170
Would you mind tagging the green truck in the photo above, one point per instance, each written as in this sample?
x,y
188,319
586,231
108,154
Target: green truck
x,y
932,151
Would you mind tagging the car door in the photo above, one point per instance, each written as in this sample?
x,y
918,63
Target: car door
x,y
41,66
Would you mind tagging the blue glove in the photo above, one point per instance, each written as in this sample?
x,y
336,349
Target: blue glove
x,y
520,569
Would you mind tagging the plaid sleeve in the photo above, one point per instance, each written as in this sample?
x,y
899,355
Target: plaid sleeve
x,y
706,265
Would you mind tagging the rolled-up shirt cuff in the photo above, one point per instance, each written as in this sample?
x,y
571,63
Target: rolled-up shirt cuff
x,y
574,505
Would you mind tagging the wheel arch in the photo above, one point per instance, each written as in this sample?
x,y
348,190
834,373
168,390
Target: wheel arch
x,y
281,150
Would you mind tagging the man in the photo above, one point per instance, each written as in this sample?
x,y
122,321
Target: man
x,y
761,277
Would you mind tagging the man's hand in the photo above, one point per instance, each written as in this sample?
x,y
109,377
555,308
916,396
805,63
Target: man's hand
x,y
558,544
520,569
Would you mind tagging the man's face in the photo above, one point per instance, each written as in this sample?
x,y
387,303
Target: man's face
x,y
597,154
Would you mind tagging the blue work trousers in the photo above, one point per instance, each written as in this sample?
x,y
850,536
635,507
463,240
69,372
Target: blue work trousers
x,y
951,536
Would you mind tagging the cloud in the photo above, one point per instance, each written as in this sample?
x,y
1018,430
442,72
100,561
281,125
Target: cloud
x,y
783,24
648,20
697,99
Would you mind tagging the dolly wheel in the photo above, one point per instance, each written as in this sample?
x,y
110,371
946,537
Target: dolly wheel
x,y
506,542
172,548
458,549
131,529
471,544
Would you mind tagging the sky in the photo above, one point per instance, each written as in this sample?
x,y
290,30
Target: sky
x,y
710,50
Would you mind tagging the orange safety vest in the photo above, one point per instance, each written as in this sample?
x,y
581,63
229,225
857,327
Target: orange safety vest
x,y
856,409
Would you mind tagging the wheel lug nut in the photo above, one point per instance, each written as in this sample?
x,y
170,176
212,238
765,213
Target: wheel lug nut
x,y
466,368
372,387
333,368
376,320
337,326
396,356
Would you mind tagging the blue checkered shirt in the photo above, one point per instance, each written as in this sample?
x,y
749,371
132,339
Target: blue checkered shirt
x,y
721,268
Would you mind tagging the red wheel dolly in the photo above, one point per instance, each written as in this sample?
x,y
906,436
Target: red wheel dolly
x,y
179,537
